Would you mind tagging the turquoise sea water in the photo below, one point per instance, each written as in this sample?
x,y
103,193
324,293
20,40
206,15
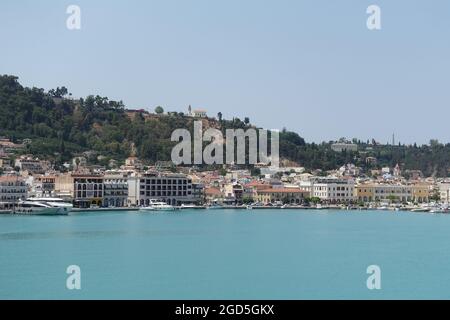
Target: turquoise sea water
x,y
215,254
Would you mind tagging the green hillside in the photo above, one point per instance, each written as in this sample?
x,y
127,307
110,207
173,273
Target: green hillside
x,y
61,128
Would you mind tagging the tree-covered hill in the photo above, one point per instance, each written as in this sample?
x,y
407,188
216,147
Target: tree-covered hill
x,y
61,127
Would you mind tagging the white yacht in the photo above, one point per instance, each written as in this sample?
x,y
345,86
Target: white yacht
x,y
54,202
156,205
39,208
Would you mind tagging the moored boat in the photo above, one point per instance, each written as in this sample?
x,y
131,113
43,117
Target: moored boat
x,y
39,208
420,210
54,202
191,206
155,205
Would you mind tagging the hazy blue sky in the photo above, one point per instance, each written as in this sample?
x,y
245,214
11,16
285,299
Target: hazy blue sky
x,y
310,66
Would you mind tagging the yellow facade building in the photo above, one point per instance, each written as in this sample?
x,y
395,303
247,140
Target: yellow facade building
x,y
372,192
285,195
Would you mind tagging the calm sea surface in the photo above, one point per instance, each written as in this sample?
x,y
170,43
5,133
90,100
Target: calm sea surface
x,y
226,254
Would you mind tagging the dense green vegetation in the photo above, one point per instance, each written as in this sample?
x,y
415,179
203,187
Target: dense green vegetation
x,y
61,128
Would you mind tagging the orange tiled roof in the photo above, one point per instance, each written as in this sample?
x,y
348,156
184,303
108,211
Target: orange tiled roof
x,y
282,190
212,191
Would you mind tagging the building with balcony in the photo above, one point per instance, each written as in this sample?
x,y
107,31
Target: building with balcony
x,y
12,189
174,189
115,189
282,195
385,192
330,189
44,185
87,190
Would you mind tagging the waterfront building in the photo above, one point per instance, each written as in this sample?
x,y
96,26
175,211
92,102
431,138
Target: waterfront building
x,y
198,192
115,189
12,189
64,186
251,189
444,192
421,192
283,195
330,189
87,190
393,192
384,192
307,185
365,192
213,195
233,193
172,188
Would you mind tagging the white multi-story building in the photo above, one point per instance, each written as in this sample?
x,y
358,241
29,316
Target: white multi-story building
x,y
12,189
330,189
174,189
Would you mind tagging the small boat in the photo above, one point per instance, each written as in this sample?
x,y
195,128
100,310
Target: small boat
x,y
158,206
39,208
438,210
420,210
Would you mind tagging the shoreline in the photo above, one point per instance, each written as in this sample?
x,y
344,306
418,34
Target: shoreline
x,y
134,209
